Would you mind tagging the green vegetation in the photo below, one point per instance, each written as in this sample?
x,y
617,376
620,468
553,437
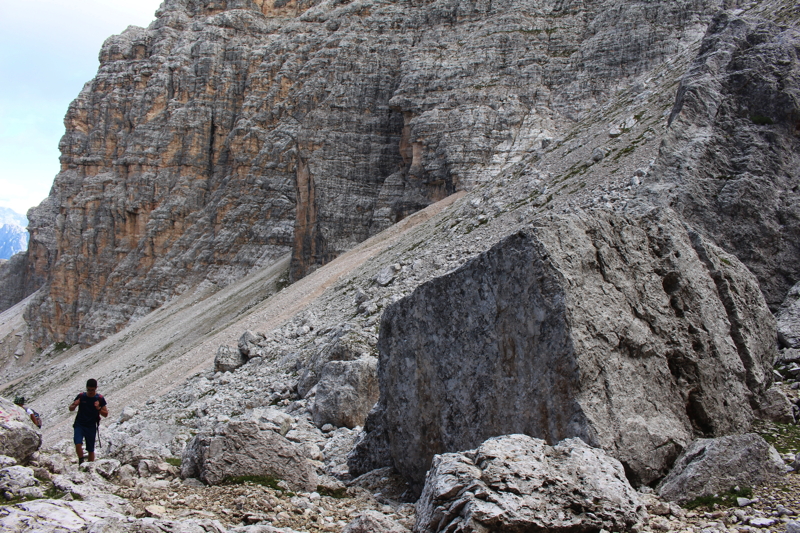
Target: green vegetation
x,y
761,120
727,499
785,437
333,493
174,461
61,347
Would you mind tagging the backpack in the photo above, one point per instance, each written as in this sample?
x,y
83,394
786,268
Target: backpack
x,y
36,418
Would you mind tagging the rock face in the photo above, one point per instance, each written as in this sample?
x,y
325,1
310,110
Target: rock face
x,y
712,466
730,162
242,449
627,332
507,485
19,438
788,318
228,134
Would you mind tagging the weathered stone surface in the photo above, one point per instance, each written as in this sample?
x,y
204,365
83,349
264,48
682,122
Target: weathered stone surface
x,y
19,481
55,516
711,466
788,318
775,405
346,392
729,163
618,330
241,449
221,138
374,522
228,359
343,347
19,437
507,484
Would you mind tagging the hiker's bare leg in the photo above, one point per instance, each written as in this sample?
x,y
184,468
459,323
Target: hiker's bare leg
x,y
79,450
91,456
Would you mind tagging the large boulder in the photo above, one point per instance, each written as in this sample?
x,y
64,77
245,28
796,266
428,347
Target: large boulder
x,y
629,332
19,437
346,392
241,448
712,466
518,483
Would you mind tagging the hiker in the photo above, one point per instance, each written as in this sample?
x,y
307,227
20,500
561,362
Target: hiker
x,y
90,407
35,418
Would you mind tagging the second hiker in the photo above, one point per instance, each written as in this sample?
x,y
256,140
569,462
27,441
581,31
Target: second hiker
x,y
90,406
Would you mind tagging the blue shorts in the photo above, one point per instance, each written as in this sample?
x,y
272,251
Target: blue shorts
x,y
88,433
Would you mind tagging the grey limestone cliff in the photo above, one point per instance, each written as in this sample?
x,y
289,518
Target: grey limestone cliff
x,y
227,134
730,162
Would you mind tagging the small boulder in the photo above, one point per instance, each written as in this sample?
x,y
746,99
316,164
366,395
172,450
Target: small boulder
x,y
228,359
346,392
507,484
242,449
19,437
249,344
19,481
774,405
374,522
712,466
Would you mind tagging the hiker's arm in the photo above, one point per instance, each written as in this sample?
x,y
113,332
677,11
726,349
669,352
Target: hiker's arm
x,y
104,411
74,405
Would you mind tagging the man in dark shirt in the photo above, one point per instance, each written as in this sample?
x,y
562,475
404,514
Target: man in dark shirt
x,y
90,406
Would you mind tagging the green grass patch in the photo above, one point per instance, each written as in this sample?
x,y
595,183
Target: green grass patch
x,y
785,437
333,493
174,461
761,120
727,499
62,347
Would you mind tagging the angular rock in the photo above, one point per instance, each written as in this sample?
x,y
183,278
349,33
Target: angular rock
x,y
241,449
228,359
518,483
345,346
712,466
774,405
279,419
57,516
127,525
374,522
788,318
248,344
626,331
346,392
19,437
15,479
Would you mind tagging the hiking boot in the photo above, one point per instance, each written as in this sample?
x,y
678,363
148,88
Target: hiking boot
x,y
81,460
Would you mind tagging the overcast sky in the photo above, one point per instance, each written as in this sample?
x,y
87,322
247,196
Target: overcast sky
x,y
48,51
